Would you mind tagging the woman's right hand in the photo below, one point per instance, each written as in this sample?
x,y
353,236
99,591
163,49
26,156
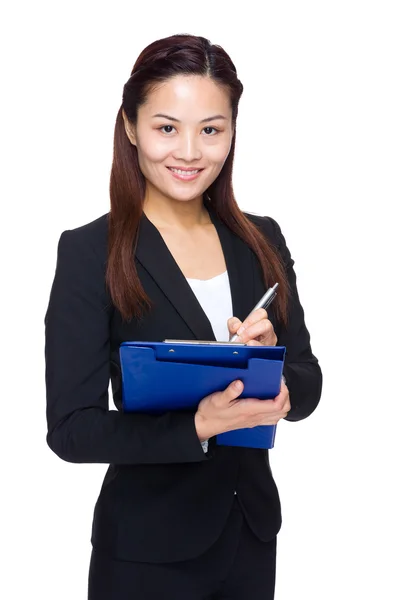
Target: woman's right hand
x,y
223,411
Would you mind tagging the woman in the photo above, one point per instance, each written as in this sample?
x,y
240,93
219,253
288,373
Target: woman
x,y
178,517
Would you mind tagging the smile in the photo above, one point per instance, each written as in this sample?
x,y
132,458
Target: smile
x,y
184,175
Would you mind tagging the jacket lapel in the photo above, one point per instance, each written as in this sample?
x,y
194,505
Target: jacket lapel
x,y
154,255
240,267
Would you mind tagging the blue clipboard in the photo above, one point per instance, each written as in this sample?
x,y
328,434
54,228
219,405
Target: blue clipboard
x,y
162,376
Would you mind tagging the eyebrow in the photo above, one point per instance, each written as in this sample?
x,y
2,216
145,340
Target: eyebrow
x,y
213,118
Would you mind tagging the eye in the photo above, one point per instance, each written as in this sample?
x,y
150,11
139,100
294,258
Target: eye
x,y
166,129
209,130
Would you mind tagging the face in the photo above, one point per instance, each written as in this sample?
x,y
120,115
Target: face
x,y
183,136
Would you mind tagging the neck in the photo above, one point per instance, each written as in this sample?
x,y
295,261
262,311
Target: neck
x,y
166,212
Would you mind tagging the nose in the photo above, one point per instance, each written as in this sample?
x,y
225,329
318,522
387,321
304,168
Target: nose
x,y
188,147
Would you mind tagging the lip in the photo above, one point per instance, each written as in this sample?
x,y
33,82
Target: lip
x,y
184,168
183,177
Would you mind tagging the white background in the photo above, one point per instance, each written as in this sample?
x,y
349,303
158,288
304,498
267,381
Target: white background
x,y
318,150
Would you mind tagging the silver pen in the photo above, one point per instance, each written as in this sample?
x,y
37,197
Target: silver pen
x,y
263,303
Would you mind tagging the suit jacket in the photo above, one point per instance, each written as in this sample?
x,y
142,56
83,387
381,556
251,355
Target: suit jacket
x,y
163,499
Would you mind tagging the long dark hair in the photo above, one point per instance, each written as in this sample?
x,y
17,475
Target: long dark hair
x,y
161,60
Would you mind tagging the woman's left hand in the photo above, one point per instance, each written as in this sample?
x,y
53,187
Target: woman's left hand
x,y
256,330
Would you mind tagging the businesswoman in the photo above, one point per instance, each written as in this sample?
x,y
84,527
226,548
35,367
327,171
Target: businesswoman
x,y
178,517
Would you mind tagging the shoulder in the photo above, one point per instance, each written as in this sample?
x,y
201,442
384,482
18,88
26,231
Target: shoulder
x,y
79,282
267,225
95,232
87,240
273,233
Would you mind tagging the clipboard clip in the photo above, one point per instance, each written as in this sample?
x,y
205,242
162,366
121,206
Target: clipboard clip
x,y
207,342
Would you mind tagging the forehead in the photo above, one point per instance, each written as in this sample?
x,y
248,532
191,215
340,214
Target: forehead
x,y
188,94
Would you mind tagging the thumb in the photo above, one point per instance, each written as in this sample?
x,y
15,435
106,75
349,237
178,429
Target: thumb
x,y
234,390
233,324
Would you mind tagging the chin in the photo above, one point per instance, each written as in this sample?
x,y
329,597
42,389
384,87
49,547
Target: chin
x,y
184,199
185,196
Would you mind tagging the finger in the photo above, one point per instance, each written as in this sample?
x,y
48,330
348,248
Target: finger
x,y
233,324
233,390
263,330
281,399
253,317
273,419
269,417
287,406
257,407
263,412
254,343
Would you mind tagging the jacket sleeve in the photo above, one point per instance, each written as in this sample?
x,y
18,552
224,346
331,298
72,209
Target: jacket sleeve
x,y
301,369
81,428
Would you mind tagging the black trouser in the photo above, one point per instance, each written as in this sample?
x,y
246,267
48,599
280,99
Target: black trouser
x,y
237,567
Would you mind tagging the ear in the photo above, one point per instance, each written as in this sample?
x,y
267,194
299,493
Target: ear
x,y
129,128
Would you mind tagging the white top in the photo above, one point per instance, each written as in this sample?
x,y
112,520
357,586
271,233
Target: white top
x,y
214,296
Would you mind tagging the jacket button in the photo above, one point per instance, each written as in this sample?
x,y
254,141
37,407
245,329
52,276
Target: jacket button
x,y
235,493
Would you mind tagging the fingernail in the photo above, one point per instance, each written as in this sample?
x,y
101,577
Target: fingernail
x,y
240,330
237,384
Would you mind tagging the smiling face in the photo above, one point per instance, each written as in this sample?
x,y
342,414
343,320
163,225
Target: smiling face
x,y
183,136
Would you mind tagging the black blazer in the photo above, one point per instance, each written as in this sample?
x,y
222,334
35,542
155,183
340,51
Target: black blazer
x,y
163,499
